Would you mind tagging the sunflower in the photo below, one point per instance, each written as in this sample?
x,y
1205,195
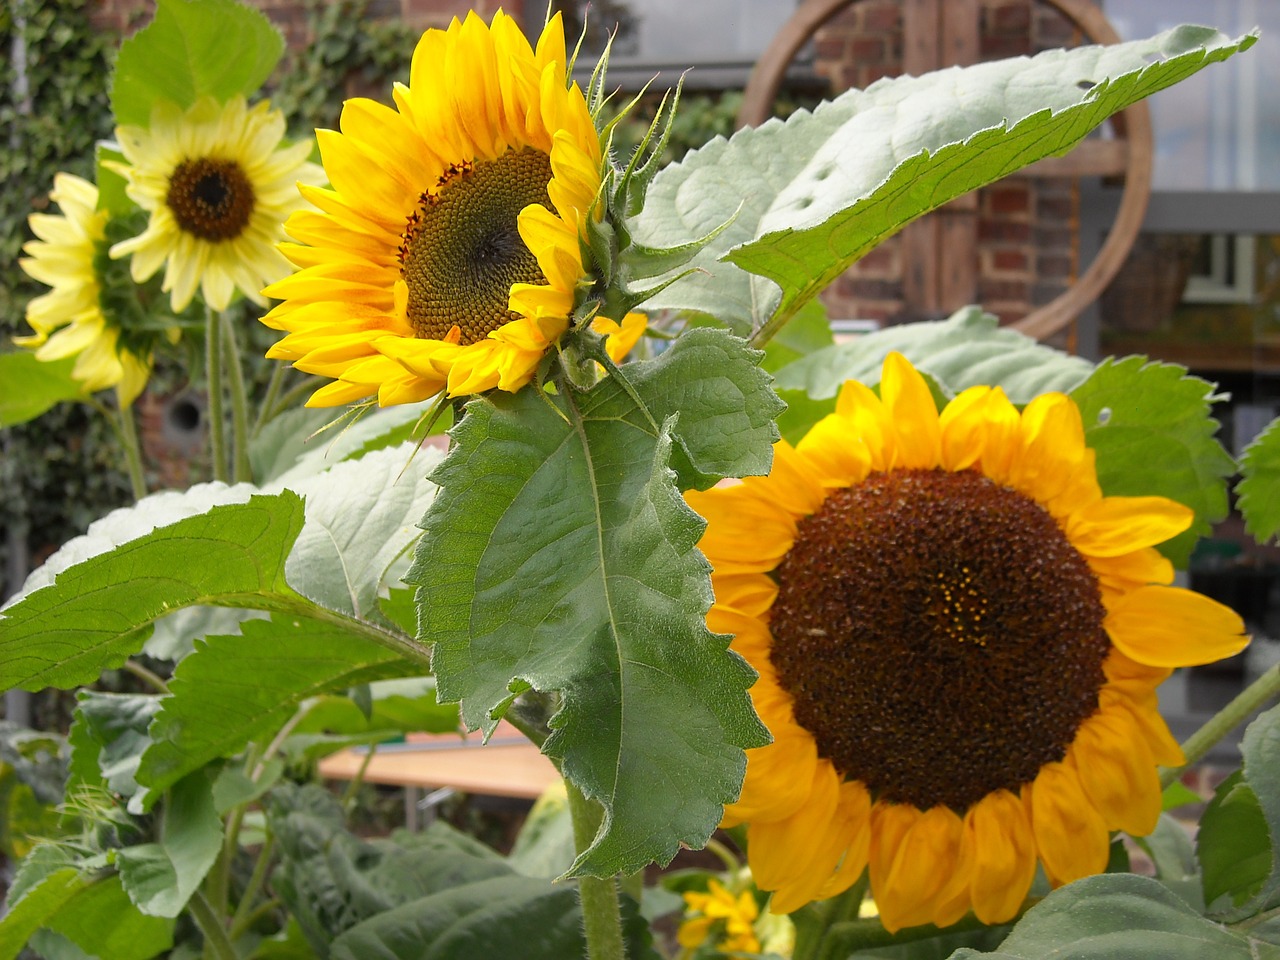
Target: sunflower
x,y
447,253
719,913
958,639
218,186
69,320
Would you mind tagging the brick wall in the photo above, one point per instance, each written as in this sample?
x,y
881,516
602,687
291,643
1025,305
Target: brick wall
x,y
1027,251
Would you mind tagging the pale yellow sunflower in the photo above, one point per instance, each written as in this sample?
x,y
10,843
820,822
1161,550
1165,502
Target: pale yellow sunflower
x,y
447,253
959,640
720,919
218,186
69,320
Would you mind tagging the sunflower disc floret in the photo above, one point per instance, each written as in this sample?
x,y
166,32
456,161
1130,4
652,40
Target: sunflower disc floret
x,y
959,640
447,254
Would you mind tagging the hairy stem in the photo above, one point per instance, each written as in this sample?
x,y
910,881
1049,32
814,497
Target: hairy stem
x,y
601,914
216,941
1225,720
239,404
213,370
132,452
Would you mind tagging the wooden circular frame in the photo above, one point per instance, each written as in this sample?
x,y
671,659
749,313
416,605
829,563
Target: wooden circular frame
x,y
1130,155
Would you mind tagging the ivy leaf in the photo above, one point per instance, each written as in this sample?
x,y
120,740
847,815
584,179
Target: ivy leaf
x,y
361,515
160,877
97,613
1151,427
559,555
1239,851
234,689
826,187
1259,490
193,48
29,387
1115,915
967,349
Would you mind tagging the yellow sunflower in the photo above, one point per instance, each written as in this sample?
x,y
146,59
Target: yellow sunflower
x,y
68,320
959,640
218,186
447,253
719,913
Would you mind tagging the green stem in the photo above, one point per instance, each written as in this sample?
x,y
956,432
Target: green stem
x,y
601,915
218,882
813,932
245,912
727,856
210,924
273,391
153,680
769,330
1226,720
349,794
132,452
213,370
292,396
239,403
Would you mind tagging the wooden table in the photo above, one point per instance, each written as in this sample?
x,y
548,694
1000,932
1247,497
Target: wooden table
x,y
508,766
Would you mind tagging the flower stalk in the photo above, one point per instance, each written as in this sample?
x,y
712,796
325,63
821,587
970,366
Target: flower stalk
x,y
213,370
241,471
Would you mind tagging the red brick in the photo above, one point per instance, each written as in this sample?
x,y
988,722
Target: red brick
x,y
1008,198
1003,230
867,50
882,17
1009,260
1054,266
1014,18
829,46
997,291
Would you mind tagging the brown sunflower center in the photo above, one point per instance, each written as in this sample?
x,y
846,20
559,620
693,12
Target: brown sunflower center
x,y
212,199
939,634
462,251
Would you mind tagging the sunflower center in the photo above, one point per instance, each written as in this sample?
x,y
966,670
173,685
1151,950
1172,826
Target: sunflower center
x,y
940,636
462,250
212,199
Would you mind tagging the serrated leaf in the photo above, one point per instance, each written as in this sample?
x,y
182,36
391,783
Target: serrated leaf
x,y
160,877
1259,489
560,554
314,453
232,690
361,515
711,380
1248,810
967,349
827,187
1115,915
233,787
193,48
1151,427
97,613
174,635
29,387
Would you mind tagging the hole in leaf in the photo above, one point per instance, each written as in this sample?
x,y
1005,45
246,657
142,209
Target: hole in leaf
x,y
1104,416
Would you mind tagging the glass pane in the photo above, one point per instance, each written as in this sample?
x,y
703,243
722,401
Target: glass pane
x,y
1220,129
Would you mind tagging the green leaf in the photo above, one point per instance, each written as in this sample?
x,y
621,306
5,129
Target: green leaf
x,y
1174,856
234,787
94,914
967,349
35,908
1150,425
361,516
161,877
827,187
1115,915
808,332
1259,489
1237,839
290,449
96,614
559,554
1178,794
193,48
544,846
114,735
1233,844
509,916
233,690
711,380
29,387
